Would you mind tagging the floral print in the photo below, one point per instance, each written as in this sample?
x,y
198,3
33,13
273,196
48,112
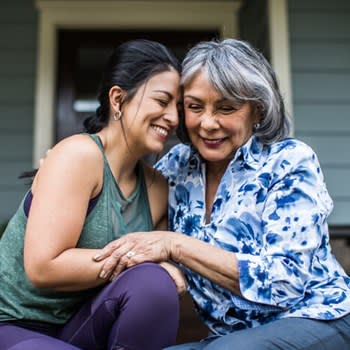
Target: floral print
x,y
271,209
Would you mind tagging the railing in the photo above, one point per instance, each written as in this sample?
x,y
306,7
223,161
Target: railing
x,y
340,232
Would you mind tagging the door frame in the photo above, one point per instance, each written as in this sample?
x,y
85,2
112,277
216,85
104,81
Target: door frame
x,y
92,14
220,15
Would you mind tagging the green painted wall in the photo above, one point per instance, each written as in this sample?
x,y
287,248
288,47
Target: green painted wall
x,y
320,60
18,36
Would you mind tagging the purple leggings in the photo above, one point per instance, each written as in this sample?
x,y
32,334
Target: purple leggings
x,y
139,310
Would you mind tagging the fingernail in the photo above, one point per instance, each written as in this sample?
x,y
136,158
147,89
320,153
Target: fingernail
x,y
97,257
103,274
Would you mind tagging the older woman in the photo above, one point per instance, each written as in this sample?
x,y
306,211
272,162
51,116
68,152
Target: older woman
x,y
248,208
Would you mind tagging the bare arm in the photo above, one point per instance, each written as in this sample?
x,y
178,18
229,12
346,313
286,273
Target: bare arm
x,y
216,264
64,184
211,262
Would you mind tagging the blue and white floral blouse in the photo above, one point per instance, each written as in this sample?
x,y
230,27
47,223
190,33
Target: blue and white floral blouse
x,y
271,209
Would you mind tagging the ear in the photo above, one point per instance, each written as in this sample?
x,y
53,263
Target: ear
x,y
116,95
259,113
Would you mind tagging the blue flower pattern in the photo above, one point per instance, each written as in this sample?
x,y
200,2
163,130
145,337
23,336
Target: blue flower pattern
x,y
270,209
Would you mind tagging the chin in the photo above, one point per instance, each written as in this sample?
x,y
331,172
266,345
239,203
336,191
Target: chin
x,y
156,148
215,157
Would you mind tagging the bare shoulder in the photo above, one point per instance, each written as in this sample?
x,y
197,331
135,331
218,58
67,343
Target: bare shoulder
x,y
80,146
76,150
77,155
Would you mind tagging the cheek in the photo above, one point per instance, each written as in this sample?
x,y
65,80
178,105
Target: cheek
x,y
245,132
190,122
249,127
241,125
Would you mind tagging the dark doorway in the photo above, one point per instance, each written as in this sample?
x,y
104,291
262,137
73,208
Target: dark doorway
x,y
81,56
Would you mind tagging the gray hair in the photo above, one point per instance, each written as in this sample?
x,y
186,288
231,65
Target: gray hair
x,y
240,73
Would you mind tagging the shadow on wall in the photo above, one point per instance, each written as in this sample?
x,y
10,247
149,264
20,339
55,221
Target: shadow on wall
x,y
2,228
341,250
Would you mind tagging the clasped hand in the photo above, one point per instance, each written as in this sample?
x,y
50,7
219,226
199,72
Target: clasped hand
x,y
136,248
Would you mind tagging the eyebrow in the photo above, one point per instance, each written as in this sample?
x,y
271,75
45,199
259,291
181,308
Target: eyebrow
x,y
193,97
200,100
166,93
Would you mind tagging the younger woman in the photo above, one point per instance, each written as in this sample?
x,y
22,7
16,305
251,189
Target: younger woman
x,y
92,189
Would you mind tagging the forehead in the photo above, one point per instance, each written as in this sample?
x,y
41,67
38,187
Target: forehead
x,y
164,81
200,86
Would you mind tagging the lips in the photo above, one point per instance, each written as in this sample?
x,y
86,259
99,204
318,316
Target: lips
x,y
213,143
161,132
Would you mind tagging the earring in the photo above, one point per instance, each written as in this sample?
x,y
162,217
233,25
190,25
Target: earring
x,y
117,115
256,127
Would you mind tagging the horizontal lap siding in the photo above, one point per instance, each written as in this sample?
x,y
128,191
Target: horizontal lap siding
x,y
18,36
320,59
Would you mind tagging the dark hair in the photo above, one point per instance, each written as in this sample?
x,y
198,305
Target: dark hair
x,y
130,65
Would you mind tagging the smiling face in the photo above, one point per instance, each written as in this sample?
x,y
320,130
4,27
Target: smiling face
x,y
152,114
216,126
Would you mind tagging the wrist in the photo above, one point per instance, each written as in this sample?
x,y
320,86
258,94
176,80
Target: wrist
x,y
175,247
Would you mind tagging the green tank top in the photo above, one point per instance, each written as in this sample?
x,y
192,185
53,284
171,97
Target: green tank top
x,y
112,216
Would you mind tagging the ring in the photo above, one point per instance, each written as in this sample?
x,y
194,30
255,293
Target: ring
x,y
130,254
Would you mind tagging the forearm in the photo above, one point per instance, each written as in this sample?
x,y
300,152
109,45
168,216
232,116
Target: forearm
x,y
216,264
72,270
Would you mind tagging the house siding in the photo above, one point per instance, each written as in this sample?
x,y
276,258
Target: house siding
x,y
18,35
320,64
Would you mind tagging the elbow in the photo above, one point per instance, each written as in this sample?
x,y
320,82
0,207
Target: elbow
x,y
36,279
37,276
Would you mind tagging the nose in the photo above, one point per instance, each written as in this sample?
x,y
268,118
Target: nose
x,y
209,122
172,115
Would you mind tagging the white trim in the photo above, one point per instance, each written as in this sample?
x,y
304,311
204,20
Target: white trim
x,y
279,44
55,14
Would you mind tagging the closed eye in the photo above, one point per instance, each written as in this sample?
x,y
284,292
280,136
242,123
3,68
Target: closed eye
x,y
162,103
195,107
227,109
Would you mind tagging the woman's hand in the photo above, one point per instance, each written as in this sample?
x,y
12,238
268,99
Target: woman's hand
x,y
133,249
177,276
214,263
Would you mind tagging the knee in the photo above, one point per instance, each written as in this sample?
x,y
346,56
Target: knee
x,y
148,281
151,279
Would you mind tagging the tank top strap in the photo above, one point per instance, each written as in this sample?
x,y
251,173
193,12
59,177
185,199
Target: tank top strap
x,y
98,142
